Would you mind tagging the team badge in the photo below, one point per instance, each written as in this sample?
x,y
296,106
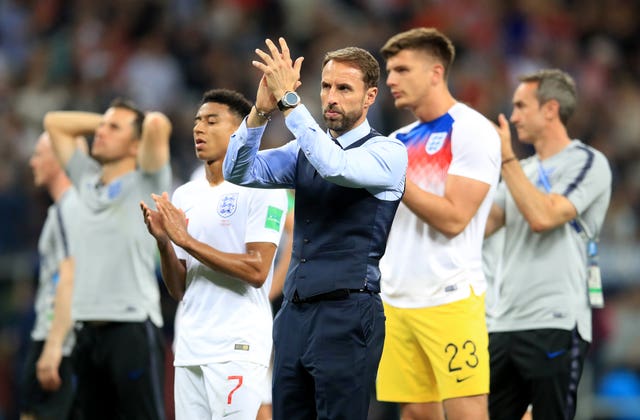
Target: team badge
x,y
228,204
435,142
114,189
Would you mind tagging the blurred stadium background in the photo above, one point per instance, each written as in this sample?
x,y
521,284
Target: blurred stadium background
x,y
66,54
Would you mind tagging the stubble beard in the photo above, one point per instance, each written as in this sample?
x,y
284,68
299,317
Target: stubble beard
x,y
343,123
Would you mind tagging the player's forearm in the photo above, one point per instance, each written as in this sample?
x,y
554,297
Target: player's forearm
x,y
450,213
174,272
437,212
154,147
251,267
62,322
72,123
65,126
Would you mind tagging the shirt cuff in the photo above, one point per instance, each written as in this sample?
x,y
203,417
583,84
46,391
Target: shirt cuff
x,y
299,120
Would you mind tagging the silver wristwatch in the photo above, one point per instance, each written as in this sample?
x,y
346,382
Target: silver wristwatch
x,y
290,99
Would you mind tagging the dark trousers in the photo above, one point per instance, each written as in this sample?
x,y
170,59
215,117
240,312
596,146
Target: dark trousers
x,y
538,367
43,404
326,357
120,368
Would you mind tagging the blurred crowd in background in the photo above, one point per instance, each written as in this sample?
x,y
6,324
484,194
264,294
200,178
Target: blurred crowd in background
x,y
163,54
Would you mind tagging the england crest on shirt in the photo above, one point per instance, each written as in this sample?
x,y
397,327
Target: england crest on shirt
x,y
228,204
114,189
435,142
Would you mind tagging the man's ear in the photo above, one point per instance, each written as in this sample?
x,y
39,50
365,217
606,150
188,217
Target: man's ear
x,y
551,109
437,73
370,96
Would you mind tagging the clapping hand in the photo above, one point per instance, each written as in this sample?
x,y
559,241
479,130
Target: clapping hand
x,y
174,220
504,131
154,222
280,74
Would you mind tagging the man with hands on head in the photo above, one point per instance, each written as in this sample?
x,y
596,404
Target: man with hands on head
x,y
348,181
217,242
116,296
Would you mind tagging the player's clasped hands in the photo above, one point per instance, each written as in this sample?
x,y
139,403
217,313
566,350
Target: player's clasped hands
x,y
167,222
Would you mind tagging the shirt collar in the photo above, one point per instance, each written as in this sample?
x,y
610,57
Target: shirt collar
x,y
353,135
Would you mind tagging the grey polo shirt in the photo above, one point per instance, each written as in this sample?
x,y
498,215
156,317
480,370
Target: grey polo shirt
x,y
116,258
541,279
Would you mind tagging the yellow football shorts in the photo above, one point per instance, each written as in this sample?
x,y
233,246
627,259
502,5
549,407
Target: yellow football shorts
x,y
434,354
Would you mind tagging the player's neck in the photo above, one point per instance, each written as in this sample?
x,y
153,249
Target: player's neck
x,y
434,106
116,169
213,171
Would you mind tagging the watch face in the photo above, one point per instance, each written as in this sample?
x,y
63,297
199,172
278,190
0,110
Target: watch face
x,y
290,99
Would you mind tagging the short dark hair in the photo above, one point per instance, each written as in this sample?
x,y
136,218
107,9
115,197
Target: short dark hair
x,y
429,40
558,85
131,106
235,101
360,58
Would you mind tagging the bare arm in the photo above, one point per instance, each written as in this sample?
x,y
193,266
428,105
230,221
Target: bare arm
x,y
251,267
451,213
154,146
63,128
543,211
281,269
495,220
47,367
174,271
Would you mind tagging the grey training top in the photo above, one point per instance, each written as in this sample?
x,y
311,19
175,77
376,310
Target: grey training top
x,y
53,247
542,280
116,260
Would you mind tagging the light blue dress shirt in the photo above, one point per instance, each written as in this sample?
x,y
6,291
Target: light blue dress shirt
x,y
379,165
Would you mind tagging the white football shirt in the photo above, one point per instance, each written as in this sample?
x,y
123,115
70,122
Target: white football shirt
x,y
223,318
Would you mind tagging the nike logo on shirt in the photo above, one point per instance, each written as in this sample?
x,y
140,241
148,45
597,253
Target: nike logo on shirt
x,y
554,354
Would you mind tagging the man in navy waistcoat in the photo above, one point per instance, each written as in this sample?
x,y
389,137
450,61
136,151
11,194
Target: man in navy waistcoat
x,y
348,182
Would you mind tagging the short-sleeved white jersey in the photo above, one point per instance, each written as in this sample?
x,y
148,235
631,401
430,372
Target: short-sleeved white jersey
x,y
422,267
223,318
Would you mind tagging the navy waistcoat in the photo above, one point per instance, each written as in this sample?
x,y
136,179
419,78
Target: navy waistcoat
x,y
339,236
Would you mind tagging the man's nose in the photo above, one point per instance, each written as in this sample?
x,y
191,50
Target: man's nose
x,y
331,97
390,80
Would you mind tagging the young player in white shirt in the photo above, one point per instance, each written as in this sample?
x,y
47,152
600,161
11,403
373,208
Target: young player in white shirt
x,y
217,241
